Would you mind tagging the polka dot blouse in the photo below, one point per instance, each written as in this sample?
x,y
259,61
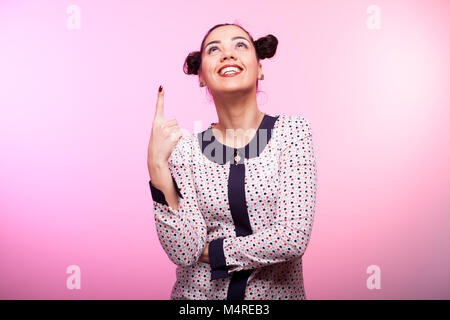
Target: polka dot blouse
x,y
254,206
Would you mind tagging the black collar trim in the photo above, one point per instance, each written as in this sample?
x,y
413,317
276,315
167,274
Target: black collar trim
x,y
221,154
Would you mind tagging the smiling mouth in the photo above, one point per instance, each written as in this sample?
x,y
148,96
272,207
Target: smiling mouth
x,y
232,74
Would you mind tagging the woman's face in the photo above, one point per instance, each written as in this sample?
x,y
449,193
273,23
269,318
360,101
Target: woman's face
x,y
229,45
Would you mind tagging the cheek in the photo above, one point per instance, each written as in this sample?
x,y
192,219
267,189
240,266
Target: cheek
x,y
252,67
207,67
211,69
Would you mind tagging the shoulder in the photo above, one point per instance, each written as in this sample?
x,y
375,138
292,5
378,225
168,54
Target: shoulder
x,y
294,127
296,139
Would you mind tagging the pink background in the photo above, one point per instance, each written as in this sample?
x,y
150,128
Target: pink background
x,y
75,120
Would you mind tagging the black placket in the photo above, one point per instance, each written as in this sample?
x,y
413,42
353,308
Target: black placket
x,y
238,209
236,193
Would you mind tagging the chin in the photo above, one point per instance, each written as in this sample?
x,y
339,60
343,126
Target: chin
x,y
236,86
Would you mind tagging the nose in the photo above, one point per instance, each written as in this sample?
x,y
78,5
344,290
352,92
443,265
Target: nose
x,y
228,55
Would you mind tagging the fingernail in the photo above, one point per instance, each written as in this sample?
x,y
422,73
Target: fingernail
x,y
160,88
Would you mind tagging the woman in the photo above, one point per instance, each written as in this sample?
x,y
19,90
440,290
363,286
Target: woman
x,y
233,209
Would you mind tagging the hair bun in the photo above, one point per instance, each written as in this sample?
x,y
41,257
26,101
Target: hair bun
x,y
192,63
266,46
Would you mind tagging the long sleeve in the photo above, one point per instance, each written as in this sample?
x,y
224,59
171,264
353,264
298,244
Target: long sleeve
x,y
182,233
288,237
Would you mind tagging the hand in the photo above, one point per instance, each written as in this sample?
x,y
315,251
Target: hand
x,y
205,254
164,137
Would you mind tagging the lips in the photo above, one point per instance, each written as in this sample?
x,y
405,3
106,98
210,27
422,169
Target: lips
x,y
230,65
230,74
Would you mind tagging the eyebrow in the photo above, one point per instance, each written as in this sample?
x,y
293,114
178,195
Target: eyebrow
x,y
217,41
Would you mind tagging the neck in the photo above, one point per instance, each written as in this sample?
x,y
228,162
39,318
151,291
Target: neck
x,y
239,117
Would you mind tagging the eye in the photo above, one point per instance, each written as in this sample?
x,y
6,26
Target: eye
x,y
210,49
215,47
243,44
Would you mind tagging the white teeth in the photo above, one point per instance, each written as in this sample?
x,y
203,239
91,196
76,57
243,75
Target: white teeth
x,y
229,70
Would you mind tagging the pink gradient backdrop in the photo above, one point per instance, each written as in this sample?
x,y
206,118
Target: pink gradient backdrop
x,y
75,119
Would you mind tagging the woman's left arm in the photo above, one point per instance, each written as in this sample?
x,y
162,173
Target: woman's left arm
x,y
288,237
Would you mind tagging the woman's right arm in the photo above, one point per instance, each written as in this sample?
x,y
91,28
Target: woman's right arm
x,y
161,179
180,225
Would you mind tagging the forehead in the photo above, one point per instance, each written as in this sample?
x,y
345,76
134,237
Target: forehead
x,y
225,33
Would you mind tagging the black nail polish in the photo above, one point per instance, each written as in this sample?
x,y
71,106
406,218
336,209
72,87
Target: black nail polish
x,y
160,88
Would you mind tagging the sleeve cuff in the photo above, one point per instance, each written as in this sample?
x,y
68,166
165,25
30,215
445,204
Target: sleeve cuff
x,y
217,261
158,195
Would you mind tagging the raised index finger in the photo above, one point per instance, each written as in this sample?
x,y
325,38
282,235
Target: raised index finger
x,y
159,110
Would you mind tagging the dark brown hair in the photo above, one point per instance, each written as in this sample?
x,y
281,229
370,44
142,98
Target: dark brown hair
x,y
265,47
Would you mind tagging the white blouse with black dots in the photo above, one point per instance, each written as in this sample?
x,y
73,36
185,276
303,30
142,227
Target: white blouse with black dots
x,y
253,205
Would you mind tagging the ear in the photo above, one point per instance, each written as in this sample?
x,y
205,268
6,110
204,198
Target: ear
x,y
200,76
259,68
